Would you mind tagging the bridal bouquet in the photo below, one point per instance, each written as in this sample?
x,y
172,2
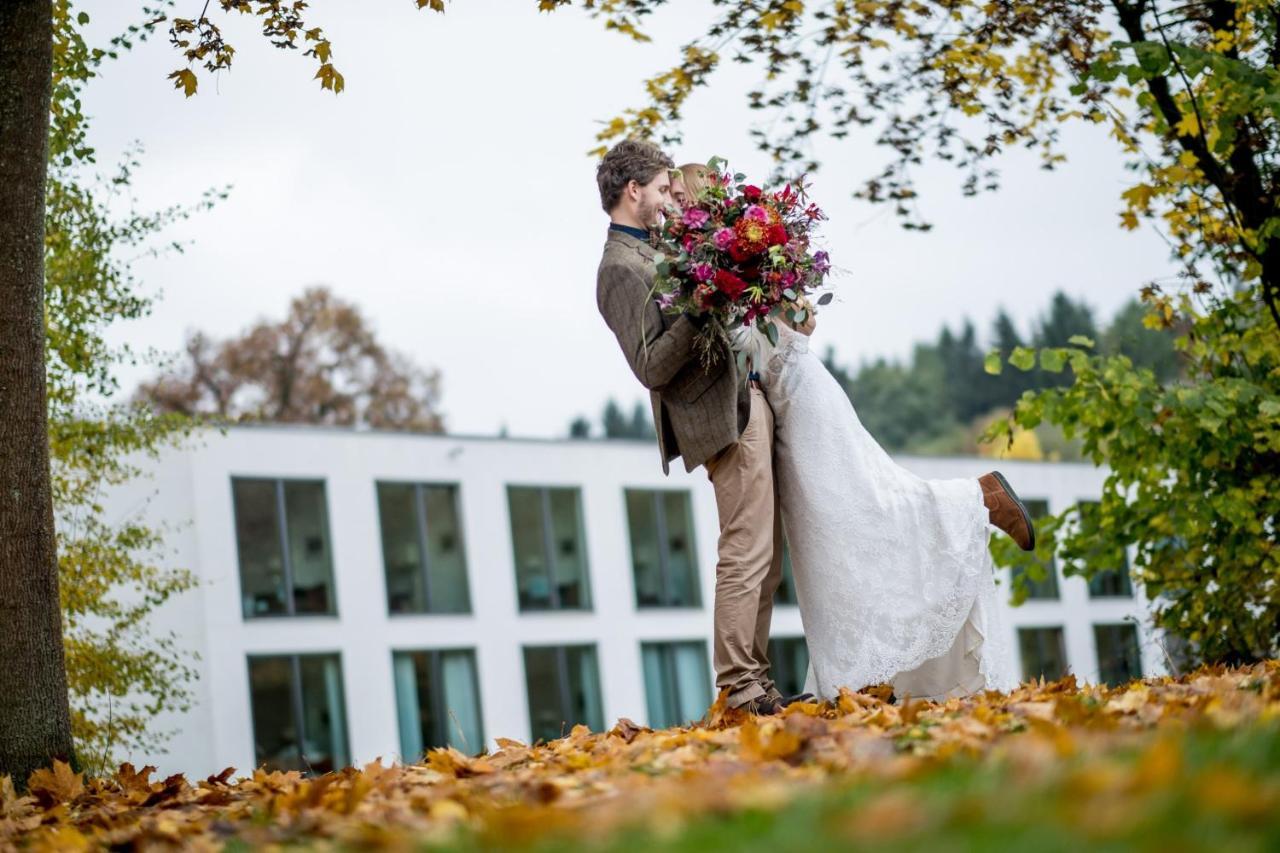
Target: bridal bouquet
x,y
740,254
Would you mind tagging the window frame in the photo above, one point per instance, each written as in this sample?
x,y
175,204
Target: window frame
x,y
286,554
436,667
297,708
548,549
664,558
1061,628
671,691
562,681
421,523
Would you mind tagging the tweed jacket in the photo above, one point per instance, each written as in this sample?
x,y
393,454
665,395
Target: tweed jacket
x,y
697,412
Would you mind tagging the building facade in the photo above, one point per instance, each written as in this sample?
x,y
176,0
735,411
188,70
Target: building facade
x,y
368,593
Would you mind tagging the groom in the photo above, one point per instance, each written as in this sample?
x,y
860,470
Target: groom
x,y
709,417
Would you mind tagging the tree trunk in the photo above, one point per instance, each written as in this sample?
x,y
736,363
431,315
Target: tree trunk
x,y
35,721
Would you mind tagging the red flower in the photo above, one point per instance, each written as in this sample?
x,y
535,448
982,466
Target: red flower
x,y
729,284
776,235
751,193
690,240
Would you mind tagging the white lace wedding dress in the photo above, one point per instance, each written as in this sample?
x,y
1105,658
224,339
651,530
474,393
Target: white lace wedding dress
x,y
892,572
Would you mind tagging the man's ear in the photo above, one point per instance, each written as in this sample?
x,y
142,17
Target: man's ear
x,y
633,189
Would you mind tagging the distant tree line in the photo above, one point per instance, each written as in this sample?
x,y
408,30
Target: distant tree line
x,y
938,400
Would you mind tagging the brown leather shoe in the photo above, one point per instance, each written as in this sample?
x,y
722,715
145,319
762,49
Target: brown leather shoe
x,y
1006,511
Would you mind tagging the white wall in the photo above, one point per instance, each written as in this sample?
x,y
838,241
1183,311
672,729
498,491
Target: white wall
x,y
195,484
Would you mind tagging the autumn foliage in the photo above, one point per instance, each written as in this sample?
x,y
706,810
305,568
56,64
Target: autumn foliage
x,y
1107,756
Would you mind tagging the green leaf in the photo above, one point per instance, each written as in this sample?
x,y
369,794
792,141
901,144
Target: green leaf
x,y
790,294
1053,359
825,298
771,332
801,316
1081,341
992,363
1023,358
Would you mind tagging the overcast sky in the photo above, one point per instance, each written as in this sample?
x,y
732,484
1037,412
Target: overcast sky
x,y
447,193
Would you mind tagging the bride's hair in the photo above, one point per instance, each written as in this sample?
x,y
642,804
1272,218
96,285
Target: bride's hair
x,y
695,178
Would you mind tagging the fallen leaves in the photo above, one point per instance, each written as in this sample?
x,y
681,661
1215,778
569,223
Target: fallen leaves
x,y
1110,751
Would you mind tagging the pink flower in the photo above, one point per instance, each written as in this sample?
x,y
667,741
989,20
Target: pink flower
x,y
789,278
666,300
695,217
756,212
724,238
703,272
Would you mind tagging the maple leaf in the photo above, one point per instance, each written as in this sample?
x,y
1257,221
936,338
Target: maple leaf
x,y
57,784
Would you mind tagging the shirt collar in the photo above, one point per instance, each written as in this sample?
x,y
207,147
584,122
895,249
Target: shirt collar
x,y
640,234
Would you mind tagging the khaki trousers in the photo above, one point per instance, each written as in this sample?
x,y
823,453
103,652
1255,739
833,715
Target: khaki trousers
x,y
749,567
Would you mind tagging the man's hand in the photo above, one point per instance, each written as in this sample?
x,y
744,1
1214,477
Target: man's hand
x,y
810,321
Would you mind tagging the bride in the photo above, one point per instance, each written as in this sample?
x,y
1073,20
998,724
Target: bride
x,y
892,573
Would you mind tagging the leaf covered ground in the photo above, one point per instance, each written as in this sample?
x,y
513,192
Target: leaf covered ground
x,y
1186,763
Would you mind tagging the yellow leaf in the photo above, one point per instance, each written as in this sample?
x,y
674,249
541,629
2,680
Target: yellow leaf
x,y
185,80
57,784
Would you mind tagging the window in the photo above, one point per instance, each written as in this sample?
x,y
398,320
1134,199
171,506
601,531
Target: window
x,y
564,689
298,717
422,548
1047,588
786,592
1044,653
282,535
1111,581
437,701
677,683
1118,658
550,549
662,551
788,664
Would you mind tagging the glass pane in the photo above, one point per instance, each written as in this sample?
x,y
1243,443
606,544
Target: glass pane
x,y
682,570
786,593
1047,588
642,521
324,727
570,554
445,556
788,664
461,701
408,708
584,688
1118,657
693,682
542,678
1044,653
258,544
275,736
309,557
533,582
656,683
401,554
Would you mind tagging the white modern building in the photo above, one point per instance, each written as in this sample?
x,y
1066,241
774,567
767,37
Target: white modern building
x,y
369,593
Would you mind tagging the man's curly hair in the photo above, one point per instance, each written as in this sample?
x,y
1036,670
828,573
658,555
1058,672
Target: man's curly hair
x,y
629,160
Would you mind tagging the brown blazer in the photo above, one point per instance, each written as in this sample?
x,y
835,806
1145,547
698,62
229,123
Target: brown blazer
x,y
696,412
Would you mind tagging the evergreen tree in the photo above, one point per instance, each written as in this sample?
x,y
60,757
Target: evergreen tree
x,y
1152,348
